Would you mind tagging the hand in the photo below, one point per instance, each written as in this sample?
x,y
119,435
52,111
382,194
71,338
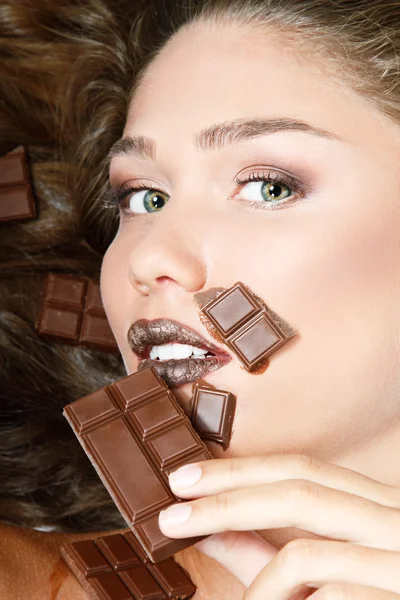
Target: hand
x,y
246,494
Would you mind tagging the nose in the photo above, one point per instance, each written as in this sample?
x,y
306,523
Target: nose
x,y
168,253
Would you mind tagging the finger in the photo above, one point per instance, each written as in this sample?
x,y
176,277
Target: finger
x,y
317,563
221,475
350,592
244,554
298,503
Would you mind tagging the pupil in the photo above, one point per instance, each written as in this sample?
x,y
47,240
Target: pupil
x,y
272,191
158,202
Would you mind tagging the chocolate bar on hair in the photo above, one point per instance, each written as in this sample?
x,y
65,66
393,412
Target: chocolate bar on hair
x,y
112,567
135,433
72,313
244,323
16,198
212,412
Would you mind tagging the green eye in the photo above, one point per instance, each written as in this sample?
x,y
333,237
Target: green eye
x,y
154,201
146,201
273,192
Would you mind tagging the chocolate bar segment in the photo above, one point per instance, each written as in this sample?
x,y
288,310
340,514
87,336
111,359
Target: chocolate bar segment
x,y
72,313
13,168
212,413
16,198
17,203
246,325
108,568
134,439
172,578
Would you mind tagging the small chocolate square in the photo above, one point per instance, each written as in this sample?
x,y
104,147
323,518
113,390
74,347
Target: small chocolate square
x,y
212,415
232,309
96,333
169,447
66,291
60,324
134,391
118,552
13,168
94,303
16,203
255,342
156,415
89,558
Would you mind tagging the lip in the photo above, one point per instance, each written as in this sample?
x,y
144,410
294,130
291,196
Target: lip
x,y
143,334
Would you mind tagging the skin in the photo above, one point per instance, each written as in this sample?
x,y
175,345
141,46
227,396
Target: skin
x,y
311,460
312,466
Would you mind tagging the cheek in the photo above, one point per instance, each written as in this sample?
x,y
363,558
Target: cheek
x,y
332,272
117,293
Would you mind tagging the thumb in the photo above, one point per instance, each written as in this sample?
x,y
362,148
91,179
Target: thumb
x,y
243,553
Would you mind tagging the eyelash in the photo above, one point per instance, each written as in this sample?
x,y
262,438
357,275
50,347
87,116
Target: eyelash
x,y
276,178
116,197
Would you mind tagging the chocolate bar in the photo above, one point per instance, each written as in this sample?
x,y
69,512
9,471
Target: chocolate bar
x,y
212,413
112,568
135,433
244,323
72,313
16,199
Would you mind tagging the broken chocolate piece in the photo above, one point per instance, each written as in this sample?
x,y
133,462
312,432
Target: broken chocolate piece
x,y
16,198
245,325
109,568
72,313
135,433
212,413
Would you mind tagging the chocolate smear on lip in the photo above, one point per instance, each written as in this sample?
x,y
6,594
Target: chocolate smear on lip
x,y
211,329
203,298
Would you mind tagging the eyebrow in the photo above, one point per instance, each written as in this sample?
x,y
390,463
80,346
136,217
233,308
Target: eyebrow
x,y
219,136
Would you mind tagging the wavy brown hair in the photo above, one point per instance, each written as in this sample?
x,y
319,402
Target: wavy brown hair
x,y
67,73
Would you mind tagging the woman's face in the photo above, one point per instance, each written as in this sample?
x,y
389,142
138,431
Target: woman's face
x,y
219,108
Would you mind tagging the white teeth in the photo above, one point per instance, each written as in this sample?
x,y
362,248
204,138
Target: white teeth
x,y
176,352
181,351
165,352
154,353
199,351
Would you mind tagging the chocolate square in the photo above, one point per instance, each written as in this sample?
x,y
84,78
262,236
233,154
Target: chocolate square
x,y
231,309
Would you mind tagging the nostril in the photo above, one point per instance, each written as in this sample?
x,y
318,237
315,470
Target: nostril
x,y
164,280
138,285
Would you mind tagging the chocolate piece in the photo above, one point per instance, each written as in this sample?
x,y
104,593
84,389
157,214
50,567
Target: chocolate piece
x,y
72,313
212,413
16,199
16,203
246,326
109,568
135,433
13,168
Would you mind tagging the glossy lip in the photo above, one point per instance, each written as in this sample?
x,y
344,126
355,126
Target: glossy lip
x,y
144,334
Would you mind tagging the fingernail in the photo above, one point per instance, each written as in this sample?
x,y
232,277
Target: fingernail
x,y
175,515
185,477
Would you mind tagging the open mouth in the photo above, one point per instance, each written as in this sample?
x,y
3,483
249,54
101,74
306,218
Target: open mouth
x,y
178,353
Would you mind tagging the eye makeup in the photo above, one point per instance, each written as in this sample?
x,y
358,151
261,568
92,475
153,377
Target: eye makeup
x,y
273,181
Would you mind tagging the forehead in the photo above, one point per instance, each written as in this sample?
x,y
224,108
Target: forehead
x,y
210,73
